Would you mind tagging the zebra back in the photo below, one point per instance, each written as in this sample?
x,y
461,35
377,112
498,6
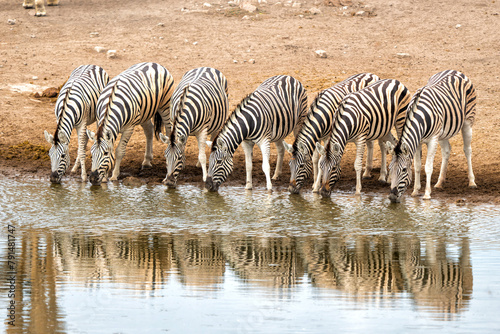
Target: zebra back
x,y
134,97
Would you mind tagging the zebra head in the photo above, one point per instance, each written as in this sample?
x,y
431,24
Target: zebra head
x,y
329,164
59,155
220,165
399,169
175,157
103,157
300,166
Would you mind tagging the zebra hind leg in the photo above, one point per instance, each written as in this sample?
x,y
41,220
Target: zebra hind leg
x,y
40,8
148,132
445,156
120,152
279,163
369,161
248,149
429,165
467,137
28,4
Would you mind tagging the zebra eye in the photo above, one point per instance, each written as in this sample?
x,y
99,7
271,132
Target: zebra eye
x,y
106,153
219,161
63,155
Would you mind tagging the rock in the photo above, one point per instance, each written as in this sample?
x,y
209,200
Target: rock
x,y
161,24
252,61
131,181
361,13
50,92
246,17
296,5
321,54
34,77
248,7
315,11
111,54
11,21
458,26
94,34
207,5
403,55
100,49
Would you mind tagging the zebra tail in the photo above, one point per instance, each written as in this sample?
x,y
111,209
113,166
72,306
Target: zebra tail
x,y
158,124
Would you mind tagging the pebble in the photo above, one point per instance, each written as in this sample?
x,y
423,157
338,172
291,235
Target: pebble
x,y
321,54
248,7
252,61
11,21
100,49
94,34
111,54
403,55
315,11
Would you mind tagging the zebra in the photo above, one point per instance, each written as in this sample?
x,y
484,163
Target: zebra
x,y
269,114
199,108
132,98
317,127
39,6
363,116
437,112
75,109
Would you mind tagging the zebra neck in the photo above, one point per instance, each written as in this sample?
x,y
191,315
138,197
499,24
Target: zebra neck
x,y
307,139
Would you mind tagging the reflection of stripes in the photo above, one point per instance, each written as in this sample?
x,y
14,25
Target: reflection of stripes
x,y
437,112
132,98
267,115
75,109
317,127
364,116
199,108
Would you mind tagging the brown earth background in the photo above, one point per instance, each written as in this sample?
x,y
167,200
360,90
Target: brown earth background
x,y
404,40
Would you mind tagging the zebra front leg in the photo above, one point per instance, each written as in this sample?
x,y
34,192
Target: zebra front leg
x,y
467,137
429,165
445,157
279,163
369,160
315,159
120,152
201,137
317,182
248,149
53,2
265,148
358,163
148,132
82,147
40,8
417,162
383,151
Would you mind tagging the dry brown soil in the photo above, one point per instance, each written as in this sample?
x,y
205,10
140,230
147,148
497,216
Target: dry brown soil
x,y
41,52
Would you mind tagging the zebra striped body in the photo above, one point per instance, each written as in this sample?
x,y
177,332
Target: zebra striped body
x,y
318,126
199,108
269,114
363,116
39,6
75,109
132,98
437,112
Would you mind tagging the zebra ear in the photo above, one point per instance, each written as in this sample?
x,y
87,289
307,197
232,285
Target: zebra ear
x,y
49,137
288,147
164,139
389,147
320,148
405,149
336,148
91,135
209,144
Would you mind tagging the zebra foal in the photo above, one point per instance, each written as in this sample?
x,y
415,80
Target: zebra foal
x,y
317,127
363,116
75,109
266,116
132,98
199,108
437,112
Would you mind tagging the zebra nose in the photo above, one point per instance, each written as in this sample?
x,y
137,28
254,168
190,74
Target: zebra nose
x,y
210,185
293,188
94,178
325,190
394,196
170,181
54,178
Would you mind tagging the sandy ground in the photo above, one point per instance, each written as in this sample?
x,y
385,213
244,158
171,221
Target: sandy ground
x,y
405,40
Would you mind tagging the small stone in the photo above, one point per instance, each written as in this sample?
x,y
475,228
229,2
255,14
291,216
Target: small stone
x,y
195,43
100,49
50,92
315,11
207,5
252,61
161,24
248,7
235,61
11,21
361,13
403,55
458,26
33,36
111,54
94,34
34,77
246,17
321,54
296,5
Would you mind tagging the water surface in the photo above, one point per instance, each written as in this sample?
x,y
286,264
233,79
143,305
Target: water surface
x,y
118,259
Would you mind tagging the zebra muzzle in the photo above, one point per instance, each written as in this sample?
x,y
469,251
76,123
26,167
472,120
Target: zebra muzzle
x,y
325,190
293,188
170,181
94,178
210,185
394,195
55,178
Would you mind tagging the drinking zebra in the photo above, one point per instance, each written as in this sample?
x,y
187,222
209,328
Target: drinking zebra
x,y
317,127
269,114
363,116
199,108
132,98
75,109
437,112
39,6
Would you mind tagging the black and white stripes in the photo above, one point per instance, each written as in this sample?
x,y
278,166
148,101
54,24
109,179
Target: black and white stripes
x,y
75,109
318,126
363,116
199,108
132,98
437,112
267,115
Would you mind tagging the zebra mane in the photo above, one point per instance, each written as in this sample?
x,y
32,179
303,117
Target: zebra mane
x,y
240,105
100,129
409,112
59,122
177,113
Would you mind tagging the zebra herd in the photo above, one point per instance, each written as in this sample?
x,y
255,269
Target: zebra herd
x,y
361,109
